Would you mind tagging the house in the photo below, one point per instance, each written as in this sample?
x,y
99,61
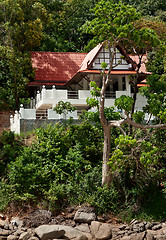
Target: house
x,y
66,77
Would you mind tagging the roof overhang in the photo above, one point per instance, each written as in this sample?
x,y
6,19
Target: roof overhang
x,y
82,74
48,83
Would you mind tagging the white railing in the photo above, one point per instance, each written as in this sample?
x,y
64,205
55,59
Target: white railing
x,y
72,95
53,96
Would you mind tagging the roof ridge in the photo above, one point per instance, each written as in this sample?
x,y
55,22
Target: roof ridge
x,y
58,52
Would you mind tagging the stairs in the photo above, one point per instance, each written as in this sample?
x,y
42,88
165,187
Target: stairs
x,y
41,114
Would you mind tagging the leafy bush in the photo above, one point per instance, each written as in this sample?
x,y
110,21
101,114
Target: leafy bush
x,y
105,199
6,193
10,149
137,168
57,158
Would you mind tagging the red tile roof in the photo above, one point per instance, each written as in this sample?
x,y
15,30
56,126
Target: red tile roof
x,y
55,68
59,68
90,57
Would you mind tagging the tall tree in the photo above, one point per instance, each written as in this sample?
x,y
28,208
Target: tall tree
x,y
114,24
63,32
20,32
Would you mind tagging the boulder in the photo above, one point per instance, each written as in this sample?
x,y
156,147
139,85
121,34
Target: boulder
x,y
101,231
45,232
84,228
73,233
4,232
139,227
161,237
85,215
157,227
25,236
12,237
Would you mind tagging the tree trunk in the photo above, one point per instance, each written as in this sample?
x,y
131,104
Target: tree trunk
x,y
106,175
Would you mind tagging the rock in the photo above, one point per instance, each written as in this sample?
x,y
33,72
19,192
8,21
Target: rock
x,y
3,237
18,232
3,223
49,232
126,238
101,231
33,238
161,237
140,227
4,232
122,226
155,233
6,226
133,236
114,230
16,221
149,236
157,227
72,233
85,215
140,236
24,229
12,237
37,218
25,236
148,225
84,228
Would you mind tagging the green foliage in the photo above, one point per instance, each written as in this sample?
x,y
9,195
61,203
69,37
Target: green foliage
x,y
110,17
124,103
137,165
58,155
105,199
10,149
21,31
95,89
6,193
92,102
16,72
147,7
104,65
64,108
139,117
63,31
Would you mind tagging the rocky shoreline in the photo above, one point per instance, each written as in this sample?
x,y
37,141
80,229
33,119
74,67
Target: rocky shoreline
x,y
80,225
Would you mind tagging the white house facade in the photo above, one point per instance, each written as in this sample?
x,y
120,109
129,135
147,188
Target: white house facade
x,y
66,76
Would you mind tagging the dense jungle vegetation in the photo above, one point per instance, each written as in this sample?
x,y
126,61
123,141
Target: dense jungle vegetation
x,y
63,163
62,166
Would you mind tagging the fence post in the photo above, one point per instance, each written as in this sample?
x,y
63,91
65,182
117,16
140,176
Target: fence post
x,y
43,92
53,92
21,111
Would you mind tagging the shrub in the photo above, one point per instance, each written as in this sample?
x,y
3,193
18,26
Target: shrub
x,y
10,149
58,156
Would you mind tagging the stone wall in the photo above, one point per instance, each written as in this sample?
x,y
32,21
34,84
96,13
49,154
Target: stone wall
x,y
27,125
